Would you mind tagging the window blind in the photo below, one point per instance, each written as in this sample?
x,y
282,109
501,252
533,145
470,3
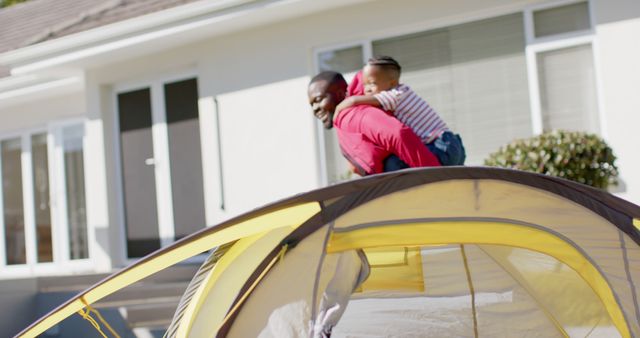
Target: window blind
x,y
474,75
567,89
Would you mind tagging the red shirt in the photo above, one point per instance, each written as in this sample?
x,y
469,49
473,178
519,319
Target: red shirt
x,y
367,135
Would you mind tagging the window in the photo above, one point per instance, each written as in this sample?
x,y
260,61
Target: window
x,y
567,89
38,167
75,193
563,19
473,75
13,210
41,196
341,60
560,53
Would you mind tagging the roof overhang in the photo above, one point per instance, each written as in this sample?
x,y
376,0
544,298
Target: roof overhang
x,y
156,32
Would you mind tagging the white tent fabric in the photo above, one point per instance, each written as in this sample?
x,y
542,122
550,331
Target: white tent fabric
x,y
459,289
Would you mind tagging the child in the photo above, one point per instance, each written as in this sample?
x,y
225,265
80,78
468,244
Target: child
x,y
382,88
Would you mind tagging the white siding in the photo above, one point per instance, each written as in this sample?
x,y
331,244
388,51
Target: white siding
x,y
618,54
267,149
39,112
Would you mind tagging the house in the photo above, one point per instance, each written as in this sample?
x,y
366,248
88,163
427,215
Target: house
x,y
128,124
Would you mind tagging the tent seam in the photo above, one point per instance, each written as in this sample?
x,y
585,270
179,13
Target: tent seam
x,y
471,290
529,292
317,279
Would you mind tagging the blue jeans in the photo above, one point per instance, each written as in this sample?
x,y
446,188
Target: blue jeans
x,y
448,149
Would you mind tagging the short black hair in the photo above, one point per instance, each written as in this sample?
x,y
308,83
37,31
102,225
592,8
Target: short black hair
x,y
329,76
387,63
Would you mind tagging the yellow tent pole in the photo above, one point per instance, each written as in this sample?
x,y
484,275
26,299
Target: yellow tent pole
x,y
290,217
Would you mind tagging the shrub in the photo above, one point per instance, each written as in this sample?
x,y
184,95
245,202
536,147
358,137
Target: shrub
x,y
576,156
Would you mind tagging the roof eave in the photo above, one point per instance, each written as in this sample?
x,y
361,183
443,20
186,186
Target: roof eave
x,y
152,27
111,31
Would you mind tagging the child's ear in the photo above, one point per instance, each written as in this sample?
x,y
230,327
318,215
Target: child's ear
x,y
394,82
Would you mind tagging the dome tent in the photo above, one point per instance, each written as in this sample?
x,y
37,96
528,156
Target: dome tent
x,y
423,252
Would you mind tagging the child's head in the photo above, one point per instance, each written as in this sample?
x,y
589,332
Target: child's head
x,y
380,73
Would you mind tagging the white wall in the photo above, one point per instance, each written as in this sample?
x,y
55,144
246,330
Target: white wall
x,y
618,29
267,150
104,238
37,113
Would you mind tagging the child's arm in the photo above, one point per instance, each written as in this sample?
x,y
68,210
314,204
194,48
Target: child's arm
x,y
357,100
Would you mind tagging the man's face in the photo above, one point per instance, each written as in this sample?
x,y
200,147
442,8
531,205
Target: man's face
x,y
323,99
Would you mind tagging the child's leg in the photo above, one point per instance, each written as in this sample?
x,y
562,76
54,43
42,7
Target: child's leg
x,y
459,146
448,148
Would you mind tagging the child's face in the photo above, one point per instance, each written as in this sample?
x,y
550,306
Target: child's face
x,y
376,80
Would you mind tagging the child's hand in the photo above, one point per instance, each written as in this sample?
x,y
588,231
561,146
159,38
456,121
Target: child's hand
x,y
346,103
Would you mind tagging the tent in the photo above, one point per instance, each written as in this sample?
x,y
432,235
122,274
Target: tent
x,y
435,252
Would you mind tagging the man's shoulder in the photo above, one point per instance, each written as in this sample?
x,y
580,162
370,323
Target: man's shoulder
x,y
361,117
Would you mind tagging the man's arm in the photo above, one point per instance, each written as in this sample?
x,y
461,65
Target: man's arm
x,y
357,100
388,132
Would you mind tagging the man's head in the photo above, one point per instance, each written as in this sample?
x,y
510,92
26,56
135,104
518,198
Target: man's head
x,y
326,90
380,73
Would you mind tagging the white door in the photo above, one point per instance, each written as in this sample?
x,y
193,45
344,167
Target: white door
x,y
160,164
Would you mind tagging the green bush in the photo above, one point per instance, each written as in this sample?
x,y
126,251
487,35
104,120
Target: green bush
x,y
576,156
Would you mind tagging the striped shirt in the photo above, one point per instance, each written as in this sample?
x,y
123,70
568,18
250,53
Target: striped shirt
x,y
413,111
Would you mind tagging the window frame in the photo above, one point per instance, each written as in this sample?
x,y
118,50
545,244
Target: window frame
x,y
57,199
535,46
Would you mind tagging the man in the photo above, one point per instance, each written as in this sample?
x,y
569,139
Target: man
x,y
367,135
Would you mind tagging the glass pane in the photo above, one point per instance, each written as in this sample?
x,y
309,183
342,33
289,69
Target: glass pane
x,y
342,60
13,204
183,125
473,75
563,19
42,207
490,86
76,200
568,90
138,174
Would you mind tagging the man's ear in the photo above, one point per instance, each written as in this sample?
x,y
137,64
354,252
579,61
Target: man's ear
x,y
341,93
